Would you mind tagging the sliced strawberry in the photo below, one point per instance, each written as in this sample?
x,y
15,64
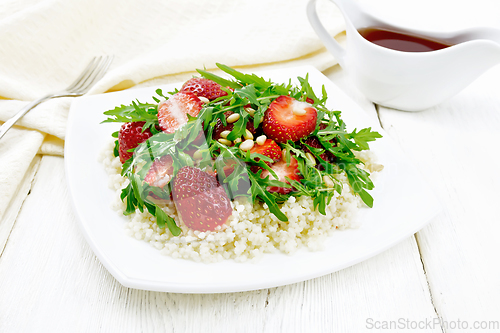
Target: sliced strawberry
x,y
129,137
201,203
202,87
161,171
282,121
270,149
283,170
172,114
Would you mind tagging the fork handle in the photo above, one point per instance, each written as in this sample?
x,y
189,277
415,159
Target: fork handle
x,y
9,123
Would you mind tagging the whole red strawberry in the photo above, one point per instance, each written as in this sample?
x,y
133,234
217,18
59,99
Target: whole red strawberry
x,y
283,170
201,202
129,137
172,114
289,119
202,87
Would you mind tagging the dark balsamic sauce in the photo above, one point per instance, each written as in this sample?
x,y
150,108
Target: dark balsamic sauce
x,y
401,42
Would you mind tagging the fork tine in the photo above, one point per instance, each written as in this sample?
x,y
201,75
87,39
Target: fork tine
x,y
85,72
95,75
88,75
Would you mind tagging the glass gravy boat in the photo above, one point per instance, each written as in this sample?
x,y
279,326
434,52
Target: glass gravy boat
x,y
409,81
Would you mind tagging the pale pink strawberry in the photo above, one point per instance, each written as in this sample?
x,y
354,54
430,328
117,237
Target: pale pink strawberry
x,y
201,202
202,87
172,114
161,171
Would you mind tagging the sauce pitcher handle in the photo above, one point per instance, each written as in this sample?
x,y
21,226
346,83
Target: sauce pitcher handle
x,y
330,43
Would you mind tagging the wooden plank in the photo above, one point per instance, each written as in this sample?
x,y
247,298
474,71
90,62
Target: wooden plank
x,y
455,146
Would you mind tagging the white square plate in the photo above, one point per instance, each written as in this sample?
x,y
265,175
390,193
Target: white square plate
x,y
403,205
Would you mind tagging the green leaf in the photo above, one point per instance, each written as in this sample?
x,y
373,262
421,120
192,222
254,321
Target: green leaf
x,y
366,197
363,137
239,128
218,79
245,79
135,112
306,87
116,149
247,92
258,190
163,219
159,92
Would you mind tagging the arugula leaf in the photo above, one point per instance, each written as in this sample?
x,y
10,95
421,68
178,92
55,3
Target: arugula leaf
x,y
137,111
116,149
246,79
363,137
218,79
247,92
258,189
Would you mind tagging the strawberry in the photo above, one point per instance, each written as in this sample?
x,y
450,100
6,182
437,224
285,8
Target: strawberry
x,y
129,137
172,113
283,170
269,149
283,120
202,87
201,203
161,171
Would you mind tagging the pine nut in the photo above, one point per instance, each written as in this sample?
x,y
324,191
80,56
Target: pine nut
x,y
311,158
246,145
224,134
377,167
261,140
248,135
250,111
225,142
233,118
328,182
283,154
203,99
197,155
237,140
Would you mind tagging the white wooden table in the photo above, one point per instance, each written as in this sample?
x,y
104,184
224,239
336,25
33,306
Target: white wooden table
x,y
50,281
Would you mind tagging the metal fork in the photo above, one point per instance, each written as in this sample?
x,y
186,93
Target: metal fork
x,y
94,72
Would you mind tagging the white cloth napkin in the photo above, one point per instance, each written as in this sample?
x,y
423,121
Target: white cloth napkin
x,y
44,45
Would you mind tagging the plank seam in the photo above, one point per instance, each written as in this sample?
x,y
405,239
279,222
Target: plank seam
x,y
33,181
428,284
378,115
